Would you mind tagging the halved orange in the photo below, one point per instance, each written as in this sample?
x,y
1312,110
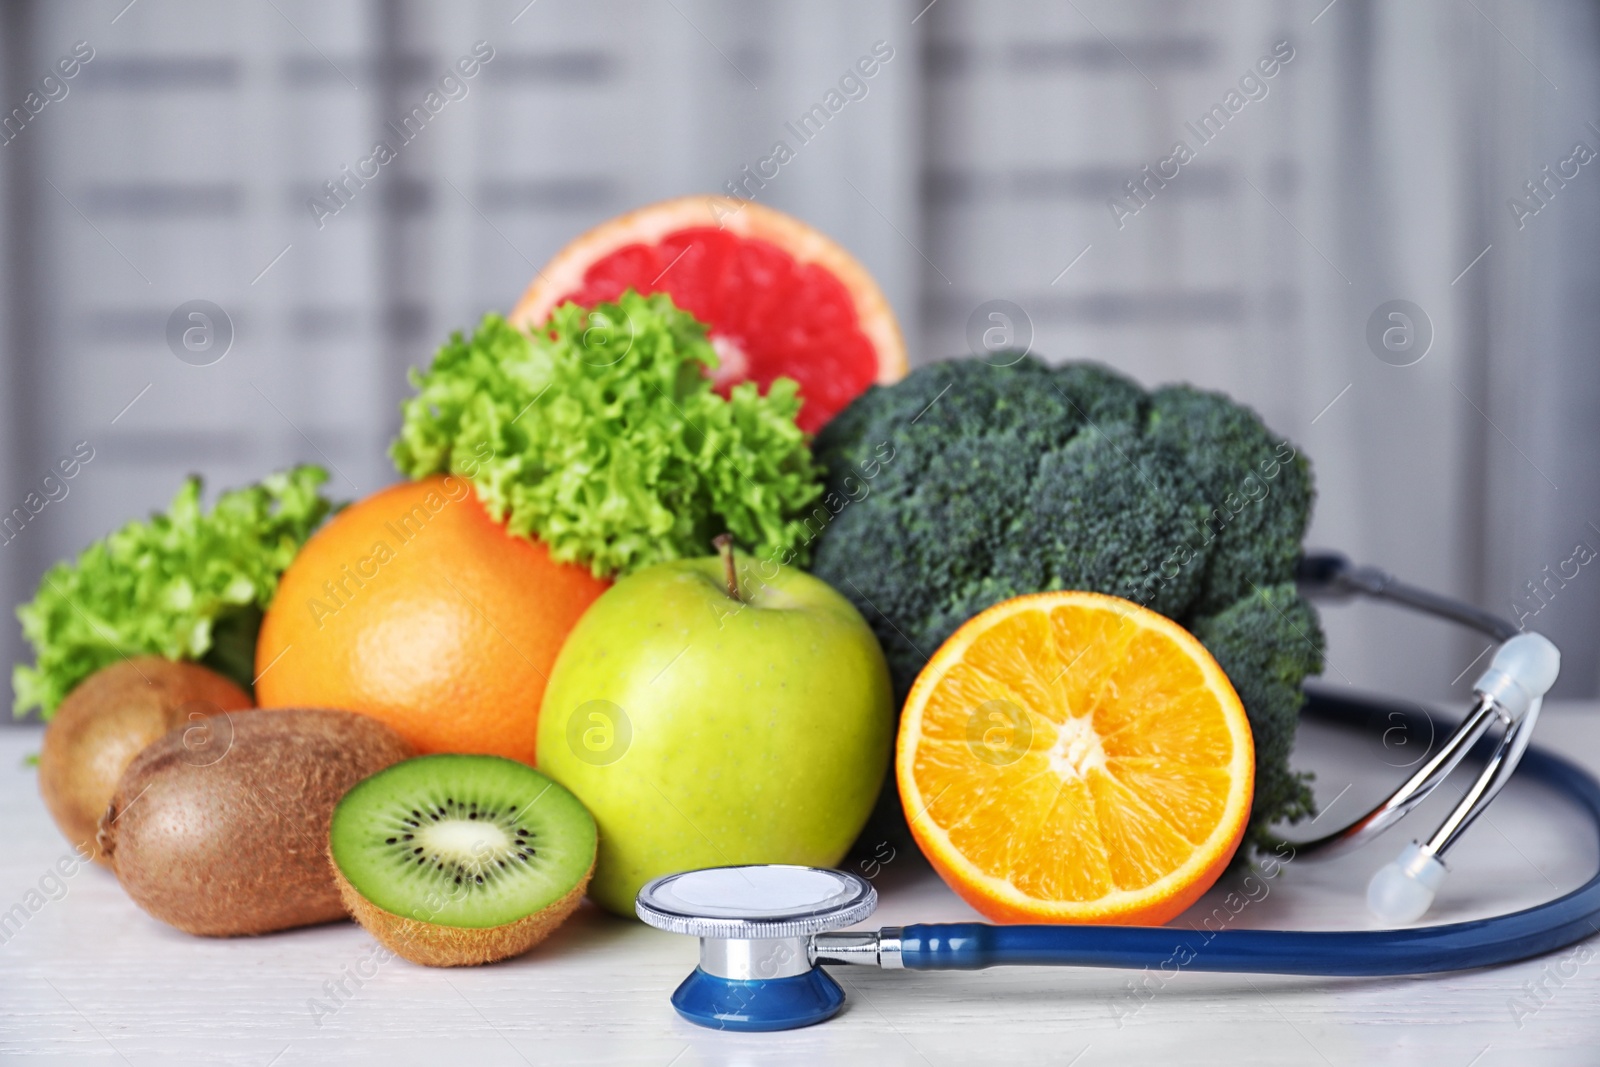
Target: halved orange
x,y
781,298
1073,757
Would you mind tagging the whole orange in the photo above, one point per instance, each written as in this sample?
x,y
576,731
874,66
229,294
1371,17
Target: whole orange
x,y
415,607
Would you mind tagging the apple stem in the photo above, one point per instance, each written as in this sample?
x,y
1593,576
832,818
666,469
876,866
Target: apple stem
x,y
724,543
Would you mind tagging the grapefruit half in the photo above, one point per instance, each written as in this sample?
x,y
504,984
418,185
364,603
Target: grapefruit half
x,y
781,299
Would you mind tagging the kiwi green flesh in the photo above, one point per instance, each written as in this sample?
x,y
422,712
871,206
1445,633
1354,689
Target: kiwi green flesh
x,y
464,841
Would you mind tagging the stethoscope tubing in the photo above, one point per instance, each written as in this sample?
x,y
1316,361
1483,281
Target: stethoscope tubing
x,y
1416,950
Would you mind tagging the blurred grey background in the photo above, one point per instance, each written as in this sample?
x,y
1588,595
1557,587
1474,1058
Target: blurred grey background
x,y
1000,155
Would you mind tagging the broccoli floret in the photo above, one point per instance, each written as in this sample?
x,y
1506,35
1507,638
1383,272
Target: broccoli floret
x,y
1267,642
970,482
1105,510
1240,464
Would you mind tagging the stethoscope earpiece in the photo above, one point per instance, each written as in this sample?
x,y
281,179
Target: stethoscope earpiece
x,y
1402,891
1512,689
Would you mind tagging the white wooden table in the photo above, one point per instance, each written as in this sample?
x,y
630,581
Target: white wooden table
x,y
90,978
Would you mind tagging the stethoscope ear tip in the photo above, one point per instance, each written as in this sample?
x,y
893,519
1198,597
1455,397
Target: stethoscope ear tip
x,y
1402,891
1522,671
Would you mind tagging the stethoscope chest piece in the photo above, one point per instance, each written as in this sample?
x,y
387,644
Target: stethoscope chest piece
x,y
756,926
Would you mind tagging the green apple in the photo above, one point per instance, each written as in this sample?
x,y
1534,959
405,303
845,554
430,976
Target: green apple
x,y
708,720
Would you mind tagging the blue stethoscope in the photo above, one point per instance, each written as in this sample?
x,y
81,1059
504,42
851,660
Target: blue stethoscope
x,y
764,929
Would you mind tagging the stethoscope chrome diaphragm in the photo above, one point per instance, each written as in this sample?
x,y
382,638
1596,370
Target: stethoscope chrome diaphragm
x,y
761,928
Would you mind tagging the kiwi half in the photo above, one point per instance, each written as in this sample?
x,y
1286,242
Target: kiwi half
x,y
455,860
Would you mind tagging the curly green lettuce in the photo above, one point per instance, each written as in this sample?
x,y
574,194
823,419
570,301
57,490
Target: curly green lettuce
x,y
188,584
601,435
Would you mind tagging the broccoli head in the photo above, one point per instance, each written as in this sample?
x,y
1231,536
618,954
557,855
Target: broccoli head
x,y
969,483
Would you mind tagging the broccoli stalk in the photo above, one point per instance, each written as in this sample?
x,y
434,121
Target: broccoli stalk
x,y
1015,479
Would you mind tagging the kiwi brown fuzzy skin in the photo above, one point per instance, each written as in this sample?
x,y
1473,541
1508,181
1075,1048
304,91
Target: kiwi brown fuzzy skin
x,y
232,840
104,723
436,945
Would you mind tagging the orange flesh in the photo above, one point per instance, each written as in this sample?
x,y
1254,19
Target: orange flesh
x,y
1077,751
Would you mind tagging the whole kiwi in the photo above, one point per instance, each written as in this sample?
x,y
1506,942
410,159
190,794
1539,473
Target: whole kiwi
x,y
104,722
230,836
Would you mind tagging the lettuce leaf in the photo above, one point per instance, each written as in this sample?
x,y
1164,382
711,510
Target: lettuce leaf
x,y
602,436
188,584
